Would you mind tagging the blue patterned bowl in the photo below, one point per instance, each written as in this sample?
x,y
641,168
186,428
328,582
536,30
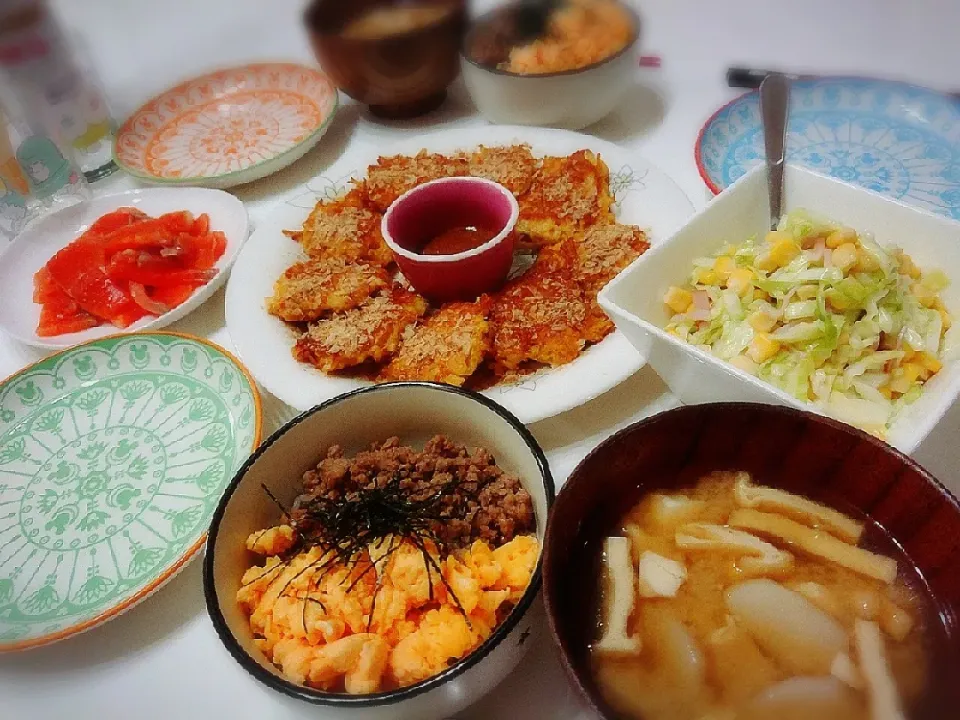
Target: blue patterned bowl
x,y
893,138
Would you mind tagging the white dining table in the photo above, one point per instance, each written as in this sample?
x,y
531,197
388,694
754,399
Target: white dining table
x,y
162,659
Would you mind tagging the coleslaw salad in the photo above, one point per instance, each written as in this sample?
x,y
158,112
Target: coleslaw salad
x,y
825,314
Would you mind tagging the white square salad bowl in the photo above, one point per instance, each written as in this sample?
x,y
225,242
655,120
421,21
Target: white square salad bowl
x,y
634,299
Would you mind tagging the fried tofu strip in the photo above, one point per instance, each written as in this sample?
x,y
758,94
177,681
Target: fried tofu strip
x,y
759,556
818,543
798,508
619,570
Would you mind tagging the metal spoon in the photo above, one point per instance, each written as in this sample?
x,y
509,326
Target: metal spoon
x,y
774,105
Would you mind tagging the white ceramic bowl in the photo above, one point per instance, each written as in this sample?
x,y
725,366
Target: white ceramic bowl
x,y
573,99
635,298
414,412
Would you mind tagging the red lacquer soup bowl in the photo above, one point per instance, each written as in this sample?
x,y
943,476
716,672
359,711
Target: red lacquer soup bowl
x,y
436,208
781,447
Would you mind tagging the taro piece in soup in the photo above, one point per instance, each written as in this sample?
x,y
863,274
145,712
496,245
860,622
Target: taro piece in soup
x,y
734,601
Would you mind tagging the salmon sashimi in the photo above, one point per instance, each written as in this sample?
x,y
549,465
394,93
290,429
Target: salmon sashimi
x,y
125,266
80,270
59,314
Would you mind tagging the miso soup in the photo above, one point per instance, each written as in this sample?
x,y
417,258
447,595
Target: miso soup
x,y
732,601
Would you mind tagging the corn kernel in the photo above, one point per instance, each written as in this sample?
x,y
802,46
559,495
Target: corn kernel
x,y
778,254
723,266
762,348
740,281
838,301
841,237
901,384
775,236
678,299
744,363
926,296
806,292
761,321
944,314
866,262
911,372
886,391
907,265
845,256
930,363
705,276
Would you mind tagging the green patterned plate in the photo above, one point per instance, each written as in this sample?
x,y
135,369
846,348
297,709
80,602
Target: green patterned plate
x,y
113,456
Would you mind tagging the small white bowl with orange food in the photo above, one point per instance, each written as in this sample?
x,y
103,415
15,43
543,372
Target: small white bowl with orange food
x,y
847,309
379,556
575,73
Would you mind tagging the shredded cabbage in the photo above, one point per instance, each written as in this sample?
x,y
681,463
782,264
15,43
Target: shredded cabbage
x,y
859,340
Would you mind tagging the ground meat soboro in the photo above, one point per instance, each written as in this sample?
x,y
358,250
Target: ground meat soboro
x,y
480,501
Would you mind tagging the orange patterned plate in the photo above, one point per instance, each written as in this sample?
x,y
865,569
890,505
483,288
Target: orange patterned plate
x,y
228,127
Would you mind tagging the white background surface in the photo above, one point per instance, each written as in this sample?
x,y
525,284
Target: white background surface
x,y
162,659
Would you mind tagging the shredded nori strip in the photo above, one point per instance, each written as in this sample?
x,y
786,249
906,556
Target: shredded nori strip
x,y
345,526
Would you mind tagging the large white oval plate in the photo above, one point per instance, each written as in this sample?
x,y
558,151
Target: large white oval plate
x,y
644,195
40,241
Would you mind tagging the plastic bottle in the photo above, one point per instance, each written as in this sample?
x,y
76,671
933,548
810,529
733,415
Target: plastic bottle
x,y
45,75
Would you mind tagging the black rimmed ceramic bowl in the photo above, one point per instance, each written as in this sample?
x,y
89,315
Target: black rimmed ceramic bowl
x,y
781,447
414,412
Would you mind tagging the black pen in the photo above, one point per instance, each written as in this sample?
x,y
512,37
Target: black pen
x,y
750,79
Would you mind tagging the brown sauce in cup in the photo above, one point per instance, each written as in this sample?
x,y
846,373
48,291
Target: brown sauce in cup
x,y
458,239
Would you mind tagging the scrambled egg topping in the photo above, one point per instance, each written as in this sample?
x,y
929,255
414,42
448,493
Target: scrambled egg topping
x,y
309,622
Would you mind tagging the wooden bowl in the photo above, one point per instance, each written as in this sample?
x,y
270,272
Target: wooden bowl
x,y
782,447
398,75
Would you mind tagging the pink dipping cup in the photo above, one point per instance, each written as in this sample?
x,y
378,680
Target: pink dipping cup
x,y
431,209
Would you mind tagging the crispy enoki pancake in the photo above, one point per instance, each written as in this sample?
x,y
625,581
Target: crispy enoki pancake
x,y
538,316
447,348
392,176
344,228
309,289
602,252
512,166
371,332
568,195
